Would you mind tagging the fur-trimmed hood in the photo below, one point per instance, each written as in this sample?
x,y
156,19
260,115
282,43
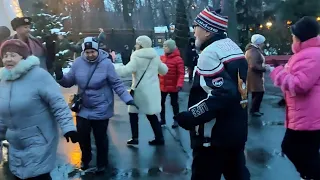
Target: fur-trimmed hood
x,y
20,69
145,53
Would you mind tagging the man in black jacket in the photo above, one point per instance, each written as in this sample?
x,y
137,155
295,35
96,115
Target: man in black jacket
x,y
192,58
217,116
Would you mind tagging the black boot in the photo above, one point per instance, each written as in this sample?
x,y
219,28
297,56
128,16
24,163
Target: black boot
x,y
175,108
156,142
282,103
163,118
163,108
84,166
156,127
134,129
133,142
175,125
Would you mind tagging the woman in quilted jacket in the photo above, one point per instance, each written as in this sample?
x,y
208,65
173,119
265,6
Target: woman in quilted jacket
x,y
172,82
299,79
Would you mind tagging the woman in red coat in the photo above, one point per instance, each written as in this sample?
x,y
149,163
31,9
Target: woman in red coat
x,y
172,82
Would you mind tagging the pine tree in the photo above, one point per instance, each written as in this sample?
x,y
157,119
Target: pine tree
x,y
47,26
182,30
293,10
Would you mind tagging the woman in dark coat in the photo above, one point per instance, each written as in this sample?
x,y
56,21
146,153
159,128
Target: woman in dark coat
x,y
192,58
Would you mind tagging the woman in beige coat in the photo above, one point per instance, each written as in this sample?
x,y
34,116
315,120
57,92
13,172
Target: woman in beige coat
x,y
145,65
256,70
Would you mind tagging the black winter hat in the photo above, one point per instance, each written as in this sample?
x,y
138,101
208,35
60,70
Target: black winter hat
x,y
20,21
306,28
4,33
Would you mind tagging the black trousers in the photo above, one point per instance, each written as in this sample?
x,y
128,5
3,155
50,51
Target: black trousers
x,y
256,101
302,149
174,102
190,72
99,128
154,122
41,177
210,163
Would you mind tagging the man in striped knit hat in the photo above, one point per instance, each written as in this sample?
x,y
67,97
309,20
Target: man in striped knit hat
x,y
217,116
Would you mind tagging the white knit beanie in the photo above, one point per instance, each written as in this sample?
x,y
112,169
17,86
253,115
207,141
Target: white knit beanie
x,y
90,43
144,41
257,39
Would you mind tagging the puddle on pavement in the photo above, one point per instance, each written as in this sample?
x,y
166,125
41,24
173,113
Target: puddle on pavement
x,y
70,171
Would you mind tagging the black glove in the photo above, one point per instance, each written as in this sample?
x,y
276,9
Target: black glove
x,y
58,70
131,103
185,119
73,135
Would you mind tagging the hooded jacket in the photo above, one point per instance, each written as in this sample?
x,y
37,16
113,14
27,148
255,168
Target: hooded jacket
x,y
147,95
300,82
98,98
175,76
32,108
218,98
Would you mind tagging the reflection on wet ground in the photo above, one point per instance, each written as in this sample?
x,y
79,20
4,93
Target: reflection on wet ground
x,y
173,161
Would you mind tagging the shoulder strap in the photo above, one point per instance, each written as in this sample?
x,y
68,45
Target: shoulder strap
x,y
90,76
143,74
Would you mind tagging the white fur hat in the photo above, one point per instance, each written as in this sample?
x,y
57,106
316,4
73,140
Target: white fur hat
x,y
257,39
144,41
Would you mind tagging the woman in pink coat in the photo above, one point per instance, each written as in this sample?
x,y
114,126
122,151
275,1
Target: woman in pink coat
x,y
299,79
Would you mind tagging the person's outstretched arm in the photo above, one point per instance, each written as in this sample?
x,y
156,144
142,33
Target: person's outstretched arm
x,y
117,85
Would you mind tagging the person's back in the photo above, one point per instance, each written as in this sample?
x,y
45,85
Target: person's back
x,y
141,58
145,65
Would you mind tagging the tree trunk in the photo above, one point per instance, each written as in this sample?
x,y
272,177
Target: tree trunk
x,y
165,16
97,5
229,9
127,14
151,11
216,4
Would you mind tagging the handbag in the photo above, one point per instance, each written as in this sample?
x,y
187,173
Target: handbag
x,y
132,90
76,101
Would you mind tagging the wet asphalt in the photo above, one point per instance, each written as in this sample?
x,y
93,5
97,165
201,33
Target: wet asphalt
x,y
173,161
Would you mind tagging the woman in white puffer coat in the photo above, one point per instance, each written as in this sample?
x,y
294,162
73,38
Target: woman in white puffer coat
x,y
145,66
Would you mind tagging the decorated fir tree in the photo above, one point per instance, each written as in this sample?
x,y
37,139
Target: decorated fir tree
x,y
48,27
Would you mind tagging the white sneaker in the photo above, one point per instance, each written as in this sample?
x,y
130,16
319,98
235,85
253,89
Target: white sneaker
x,y
5,143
